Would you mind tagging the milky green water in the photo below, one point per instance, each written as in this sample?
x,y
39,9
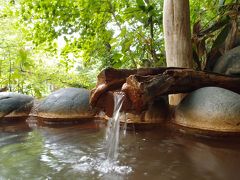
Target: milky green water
x,y
79,152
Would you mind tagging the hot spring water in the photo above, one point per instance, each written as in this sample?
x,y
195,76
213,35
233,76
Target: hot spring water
x,y
108,161
92,151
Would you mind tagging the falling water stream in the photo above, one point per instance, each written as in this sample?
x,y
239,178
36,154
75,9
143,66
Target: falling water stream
x,y
113,128
111,163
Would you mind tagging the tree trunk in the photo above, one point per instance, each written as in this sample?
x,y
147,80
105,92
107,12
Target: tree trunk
x,y
177,35
4,89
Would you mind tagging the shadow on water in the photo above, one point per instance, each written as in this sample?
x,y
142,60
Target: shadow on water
x,y
14,125
78,152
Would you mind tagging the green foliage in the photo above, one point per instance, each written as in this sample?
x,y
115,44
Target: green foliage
x,y
116,33
29,69
61,43
217,32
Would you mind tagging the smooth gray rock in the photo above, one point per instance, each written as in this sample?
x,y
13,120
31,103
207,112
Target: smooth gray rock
x,y
210,108
229,63
66,103
15,104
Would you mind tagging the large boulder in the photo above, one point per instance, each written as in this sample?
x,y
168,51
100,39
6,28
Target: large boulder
x,y
15,104
229,63
210,108
66,103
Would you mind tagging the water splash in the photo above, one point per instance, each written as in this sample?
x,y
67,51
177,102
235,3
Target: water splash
x,y
101,162
113,128
88,164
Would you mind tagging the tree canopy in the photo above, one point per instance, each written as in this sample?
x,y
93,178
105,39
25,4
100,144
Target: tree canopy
x,y
50,44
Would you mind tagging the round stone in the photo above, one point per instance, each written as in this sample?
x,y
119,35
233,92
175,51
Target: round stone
x,y
14,104
229,63
210,108
66,103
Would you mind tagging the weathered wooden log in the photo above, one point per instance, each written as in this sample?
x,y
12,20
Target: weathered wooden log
x,y
113,79
142,89
106,104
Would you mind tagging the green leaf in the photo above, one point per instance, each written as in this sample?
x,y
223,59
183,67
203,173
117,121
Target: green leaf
x,y
126,45
222,36
141,5
150,8
15,75
117,65
116,57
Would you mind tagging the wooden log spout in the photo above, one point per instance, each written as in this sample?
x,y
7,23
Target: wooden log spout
x,y
146,84
111,79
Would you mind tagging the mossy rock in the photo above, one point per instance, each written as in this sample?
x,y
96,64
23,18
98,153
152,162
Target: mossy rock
x,y
210,108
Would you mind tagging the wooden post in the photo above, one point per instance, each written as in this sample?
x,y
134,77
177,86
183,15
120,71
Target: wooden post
x,y
177,35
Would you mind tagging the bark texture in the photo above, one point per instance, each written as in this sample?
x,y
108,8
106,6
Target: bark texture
x,y
113,79
177,36
146,85
143,89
